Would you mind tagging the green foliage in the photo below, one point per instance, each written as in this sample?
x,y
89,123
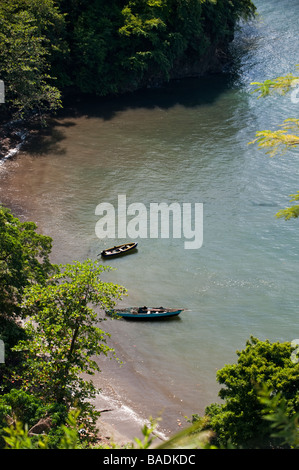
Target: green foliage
x,y
193,437
95,55
279,141
241,420
62,336
23,407
284,427
17,437
221,16
103,47
70,436
24,259
11,332
45,359
148,433
281,85
31,37
18,406
290,212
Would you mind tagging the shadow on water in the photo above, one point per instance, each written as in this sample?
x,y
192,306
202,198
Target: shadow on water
x,y
48,139
189,93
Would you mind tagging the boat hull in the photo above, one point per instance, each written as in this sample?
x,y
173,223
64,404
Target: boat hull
x,y
119,250
149,314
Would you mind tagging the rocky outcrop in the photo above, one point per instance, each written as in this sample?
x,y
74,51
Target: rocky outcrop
x,y
43,426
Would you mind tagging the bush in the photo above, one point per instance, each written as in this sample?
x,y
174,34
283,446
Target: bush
x,y
241,420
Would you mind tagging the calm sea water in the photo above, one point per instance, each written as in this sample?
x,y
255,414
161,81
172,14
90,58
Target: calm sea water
x,y
185,142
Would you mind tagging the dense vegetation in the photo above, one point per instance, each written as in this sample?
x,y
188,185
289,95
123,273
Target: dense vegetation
x,y
103,47
241,419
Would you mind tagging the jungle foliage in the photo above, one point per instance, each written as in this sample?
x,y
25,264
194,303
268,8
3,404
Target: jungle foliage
x,y
265,372
103,47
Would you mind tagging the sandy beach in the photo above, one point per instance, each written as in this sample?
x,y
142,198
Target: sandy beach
x,y
119,425
120,421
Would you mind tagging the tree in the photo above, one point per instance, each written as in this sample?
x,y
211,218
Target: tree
x,y
241,420
281,140
31,40
63,336
118,46
102,47
24,259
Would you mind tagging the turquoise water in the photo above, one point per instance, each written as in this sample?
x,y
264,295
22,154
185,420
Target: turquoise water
x,y
186,142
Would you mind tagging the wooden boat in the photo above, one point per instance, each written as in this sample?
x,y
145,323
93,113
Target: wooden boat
x,y
137,313
119,250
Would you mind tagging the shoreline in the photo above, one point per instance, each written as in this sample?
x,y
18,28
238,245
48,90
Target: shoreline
x,y
120,425
15,134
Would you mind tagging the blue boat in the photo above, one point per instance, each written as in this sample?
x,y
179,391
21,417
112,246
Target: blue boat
x,y
148,313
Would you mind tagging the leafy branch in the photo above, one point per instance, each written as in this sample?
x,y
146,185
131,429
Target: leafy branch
x,y
281,140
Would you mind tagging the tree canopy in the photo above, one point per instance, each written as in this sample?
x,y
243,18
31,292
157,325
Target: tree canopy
x,y
241,419
24,259
62,332
103,47
31,40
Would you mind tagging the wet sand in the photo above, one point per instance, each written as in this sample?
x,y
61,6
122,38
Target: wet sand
x,y
120,399
119,424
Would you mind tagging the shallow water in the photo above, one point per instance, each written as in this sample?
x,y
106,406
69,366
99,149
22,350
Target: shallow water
x,y
186,142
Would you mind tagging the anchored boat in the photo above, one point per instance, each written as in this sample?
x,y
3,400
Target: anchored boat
x,y
137,313
119,250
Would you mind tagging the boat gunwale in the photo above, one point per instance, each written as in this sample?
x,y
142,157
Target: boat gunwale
x,y
130,246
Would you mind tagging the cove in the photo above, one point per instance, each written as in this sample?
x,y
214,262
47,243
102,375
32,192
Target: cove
x,y
187,142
